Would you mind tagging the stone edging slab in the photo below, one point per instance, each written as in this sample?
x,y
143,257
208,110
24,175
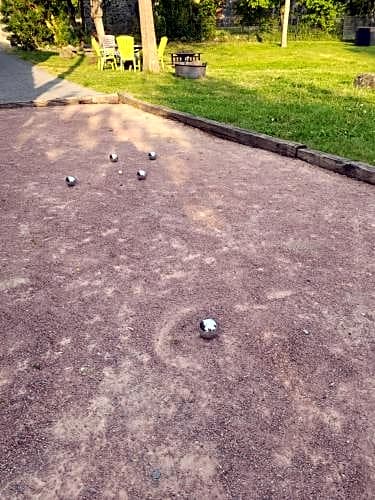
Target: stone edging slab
x,y
354,169
235,134
61,101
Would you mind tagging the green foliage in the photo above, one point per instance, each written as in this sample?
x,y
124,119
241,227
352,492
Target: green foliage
x,y
206,19
26,22
37,23
317,13
255,12
186,19
360,7
322,13
62,30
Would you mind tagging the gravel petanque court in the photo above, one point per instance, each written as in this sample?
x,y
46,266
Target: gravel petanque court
x,y
107,390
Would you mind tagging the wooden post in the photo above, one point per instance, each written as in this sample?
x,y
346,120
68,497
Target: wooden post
x,y
284,35
97,16
150,55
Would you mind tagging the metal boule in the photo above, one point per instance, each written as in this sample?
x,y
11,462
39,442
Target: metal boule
x,y
113,157
208,328
141,174
152,155
71,180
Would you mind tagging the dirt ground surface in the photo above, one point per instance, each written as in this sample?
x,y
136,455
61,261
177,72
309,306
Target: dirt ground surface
x,y
106,389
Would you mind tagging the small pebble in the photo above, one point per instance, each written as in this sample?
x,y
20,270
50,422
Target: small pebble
x,y
113,157
152,155
156,474
306,332
120,172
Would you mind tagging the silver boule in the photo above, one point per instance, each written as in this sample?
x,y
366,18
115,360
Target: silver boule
x,y
141,174
208,328
71,180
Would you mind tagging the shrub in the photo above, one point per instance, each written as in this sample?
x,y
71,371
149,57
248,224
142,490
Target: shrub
x,y
206,19
254,12
37,23
26,22
312,15
62,31
322,14
186,19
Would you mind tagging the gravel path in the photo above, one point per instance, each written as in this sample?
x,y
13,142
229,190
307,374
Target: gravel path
x,y
21,81
106,389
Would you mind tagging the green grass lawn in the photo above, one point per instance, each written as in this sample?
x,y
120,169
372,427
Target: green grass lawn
x,y
303,93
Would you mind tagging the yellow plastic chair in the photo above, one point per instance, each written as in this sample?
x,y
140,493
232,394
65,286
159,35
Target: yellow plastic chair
x,y
162,44
125,47
105,56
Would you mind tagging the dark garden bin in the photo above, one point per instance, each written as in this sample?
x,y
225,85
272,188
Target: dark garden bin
x,y
365,36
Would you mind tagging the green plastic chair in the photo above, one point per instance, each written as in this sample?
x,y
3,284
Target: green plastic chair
x,y
162,44
105,56
125,47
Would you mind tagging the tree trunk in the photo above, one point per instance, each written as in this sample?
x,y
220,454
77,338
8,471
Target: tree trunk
x,y
284,35
97,16
150,55
72,12
82,14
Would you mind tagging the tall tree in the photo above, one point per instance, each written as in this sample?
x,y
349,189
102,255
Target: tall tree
x,y
150,55
97,17
284,34
71,8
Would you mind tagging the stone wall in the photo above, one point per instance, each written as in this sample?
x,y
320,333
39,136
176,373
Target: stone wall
x,y
119,16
